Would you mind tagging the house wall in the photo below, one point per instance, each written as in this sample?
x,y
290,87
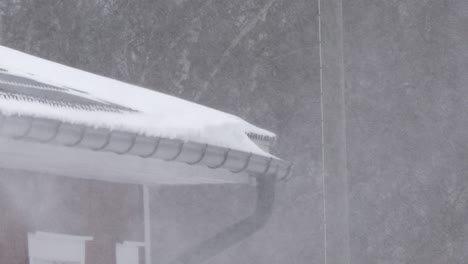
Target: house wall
x,y
30,202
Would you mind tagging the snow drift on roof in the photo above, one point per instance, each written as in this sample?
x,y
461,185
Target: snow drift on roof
x,y
156,114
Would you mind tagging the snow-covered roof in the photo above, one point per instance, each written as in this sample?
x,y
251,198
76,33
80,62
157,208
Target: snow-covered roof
x,y
31,86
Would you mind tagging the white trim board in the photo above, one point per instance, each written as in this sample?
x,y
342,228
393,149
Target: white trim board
x,y
53,247
107,166
128,252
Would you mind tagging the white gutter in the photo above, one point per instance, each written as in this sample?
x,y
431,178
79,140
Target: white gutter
x,y
49,131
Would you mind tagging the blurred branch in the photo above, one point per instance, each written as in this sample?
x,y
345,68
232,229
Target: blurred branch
x,y
227,52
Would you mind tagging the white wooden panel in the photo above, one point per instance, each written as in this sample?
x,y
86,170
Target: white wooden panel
x,y
56,247
127,253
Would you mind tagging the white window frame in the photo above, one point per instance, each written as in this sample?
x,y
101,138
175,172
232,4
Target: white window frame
x,y
44,246
128,252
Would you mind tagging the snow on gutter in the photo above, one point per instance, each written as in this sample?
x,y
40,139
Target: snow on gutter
x,y
159,115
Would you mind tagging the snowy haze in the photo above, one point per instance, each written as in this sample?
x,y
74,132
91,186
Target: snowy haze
x,y
382,180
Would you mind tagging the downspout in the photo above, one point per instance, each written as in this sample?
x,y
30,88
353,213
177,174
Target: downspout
x,y
235,233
